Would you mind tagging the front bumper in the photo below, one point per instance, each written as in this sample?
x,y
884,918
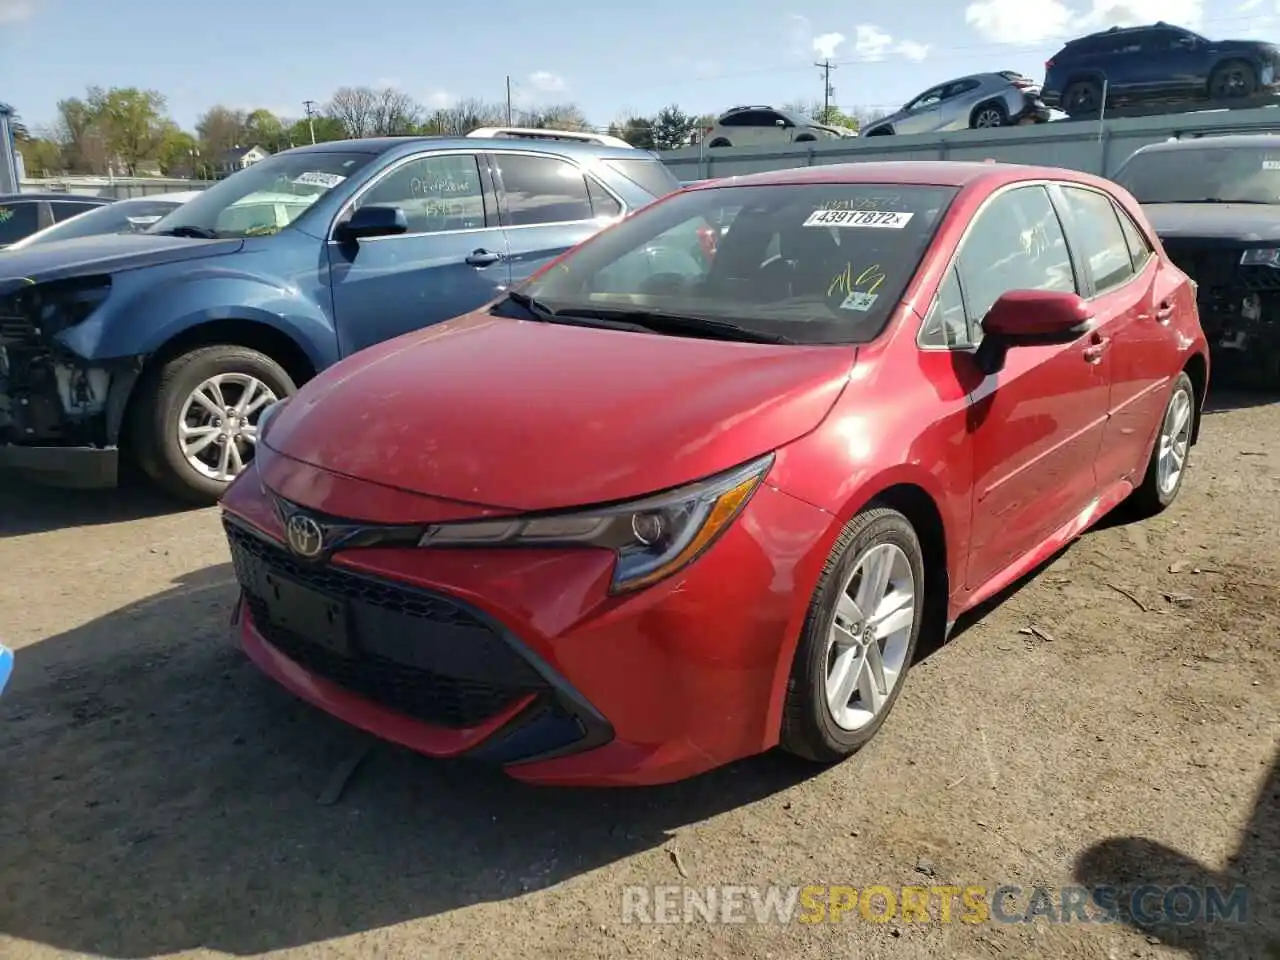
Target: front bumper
x,y
520,657
81,468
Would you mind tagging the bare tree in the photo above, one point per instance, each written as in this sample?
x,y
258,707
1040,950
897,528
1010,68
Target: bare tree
x,y
465,116
356,108
555,116
220,129
395,114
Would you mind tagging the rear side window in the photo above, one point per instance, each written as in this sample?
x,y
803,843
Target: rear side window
x,y
602,202
651,175
1139,249
66,209
18,220
543,190
1094,222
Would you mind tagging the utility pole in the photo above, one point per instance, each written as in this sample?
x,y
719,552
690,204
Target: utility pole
x,y
828,91
309,106
508,100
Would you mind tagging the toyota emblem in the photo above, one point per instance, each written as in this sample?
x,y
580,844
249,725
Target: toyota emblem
x,y
306,539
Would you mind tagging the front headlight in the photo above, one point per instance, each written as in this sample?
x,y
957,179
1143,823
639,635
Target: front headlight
x,y
1261,257
652,538
268,414
62,304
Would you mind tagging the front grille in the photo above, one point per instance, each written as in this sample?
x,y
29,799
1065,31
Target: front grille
x,y
17,332
416,652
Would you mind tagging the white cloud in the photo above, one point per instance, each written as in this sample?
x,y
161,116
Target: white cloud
x,y
383,83
800,35
1249,5
910,50
1020,22
440,100
15,11
825,45
546,82
871,43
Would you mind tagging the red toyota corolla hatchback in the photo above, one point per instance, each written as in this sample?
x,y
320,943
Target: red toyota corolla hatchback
x,y
696,490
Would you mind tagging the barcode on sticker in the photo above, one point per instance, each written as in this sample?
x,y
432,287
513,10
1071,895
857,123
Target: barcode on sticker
x,y
859,301
318,179
890,219
1271,164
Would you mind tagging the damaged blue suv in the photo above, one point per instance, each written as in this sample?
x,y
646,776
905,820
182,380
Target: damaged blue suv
x,y
165,346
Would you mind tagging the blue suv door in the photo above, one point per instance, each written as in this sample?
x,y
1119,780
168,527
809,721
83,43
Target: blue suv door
x,y
549,204
452,259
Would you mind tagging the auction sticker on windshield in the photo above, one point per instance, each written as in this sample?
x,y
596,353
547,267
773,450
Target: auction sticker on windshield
x,y
318,179
885,219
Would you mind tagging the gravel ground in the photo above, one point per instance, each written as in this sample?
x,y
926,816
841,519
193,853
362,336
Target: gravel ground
x,y
159,798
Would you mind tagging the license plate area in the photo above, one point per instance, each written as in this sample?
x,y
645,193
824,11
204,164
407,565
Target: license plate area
x,y
310,615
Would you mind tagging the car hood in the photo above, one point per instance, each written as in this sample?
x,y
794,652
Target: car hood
x,y
109,253
526,415
1246,222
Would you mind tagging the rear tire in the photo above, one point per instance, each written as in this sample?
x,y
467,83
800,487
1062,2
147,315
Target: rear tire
x,y
987,115
177,400
821,721
1167,468
1082,96
1233,80
718,142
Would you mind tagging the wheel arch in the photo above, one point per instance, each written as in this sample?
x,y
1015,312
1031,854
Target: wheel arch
x,y
996,101
1197,369
281,346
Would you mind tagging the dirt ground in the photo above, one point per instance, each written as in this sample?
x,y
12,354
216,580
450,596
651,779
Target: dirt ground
x,y
159,798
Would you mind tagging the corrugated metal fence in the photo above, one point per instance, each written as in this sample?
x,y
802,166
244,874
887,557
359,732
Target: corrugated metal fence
x,y
117,187
1094,147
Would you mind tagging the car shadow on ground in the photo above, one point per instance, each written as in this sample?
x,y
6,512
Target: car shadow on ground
x,y
157,794
1129,863
27,508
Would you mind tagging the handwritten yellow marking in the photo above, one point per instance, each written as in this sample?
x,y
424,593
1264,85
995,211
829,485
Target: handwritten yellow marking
x,y
868,281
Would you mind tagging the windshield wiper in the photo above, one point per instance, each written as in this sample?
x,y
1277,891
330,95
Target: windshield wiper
x,y
661,322
536,307
199,233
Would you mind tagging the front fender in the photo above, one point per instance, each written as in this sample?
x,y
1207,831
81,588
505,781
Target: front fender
x,y
140,322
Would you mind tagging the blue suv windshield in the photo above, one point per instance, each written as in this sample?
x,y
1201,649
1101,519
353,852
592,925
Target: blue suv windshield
x,y
264,198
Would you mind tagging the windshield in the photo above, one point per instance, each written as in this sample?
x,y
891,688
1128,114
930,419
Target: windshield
x,y
811,263
264,198
1199,174
123,216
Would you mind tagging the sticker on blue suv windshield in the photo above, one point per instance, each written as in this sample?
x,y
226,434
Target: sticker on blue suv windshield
x,y
318,179
884,219
859,301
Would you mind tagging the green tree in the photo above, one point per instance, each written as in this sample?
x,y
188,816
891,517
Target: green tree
x,y
78,133
133,122
264,128
637,131
40,157
672,128
179,153
220,129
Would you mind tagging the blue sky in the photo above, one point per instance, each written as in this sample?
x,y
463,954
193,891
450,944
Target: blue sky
x,y
610,58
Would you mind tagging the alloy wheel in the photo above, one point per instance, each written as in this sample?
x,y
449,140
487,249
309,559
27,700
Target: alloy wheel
x,y
870,635
218,424
988,118
1175,441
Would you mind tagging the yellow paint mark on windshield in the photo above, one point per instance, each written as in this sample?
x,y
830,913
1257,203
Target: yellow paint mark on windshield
x,y
845,282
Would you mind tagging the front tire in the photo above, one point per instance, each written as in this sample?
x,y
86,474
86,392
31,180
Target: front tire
x,y
1167,467
195,418
858,640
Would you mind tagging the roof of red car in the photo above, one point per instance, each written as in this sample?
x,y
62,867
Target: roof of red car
x,y
943,173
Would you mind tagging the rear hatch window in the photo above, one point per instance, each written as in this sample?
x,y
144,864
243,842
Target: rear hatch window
x,y
648,173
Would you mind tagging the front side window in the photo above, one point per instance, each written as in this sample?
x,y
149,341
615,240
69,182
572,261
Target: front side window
x,y
946,324
813,263
543,190
1093,221
264,197
927,99
438,193
1203,174
1016,243
18,220
1139,247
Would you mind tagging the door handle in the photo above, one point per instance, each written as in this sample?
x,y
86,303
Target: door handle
x,y
1097,346
1165,311
483,258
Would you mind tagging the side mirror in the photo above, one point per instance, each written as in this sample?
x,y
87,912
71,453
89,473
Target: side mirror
x,y
1030,318
373,221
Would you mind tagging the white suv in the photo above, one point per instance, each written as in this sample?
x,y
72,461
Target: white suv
x,y
767,126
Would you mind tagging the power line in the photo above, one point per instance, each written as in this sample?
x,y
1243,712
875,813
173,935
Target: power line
x,y
828,91
309,106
